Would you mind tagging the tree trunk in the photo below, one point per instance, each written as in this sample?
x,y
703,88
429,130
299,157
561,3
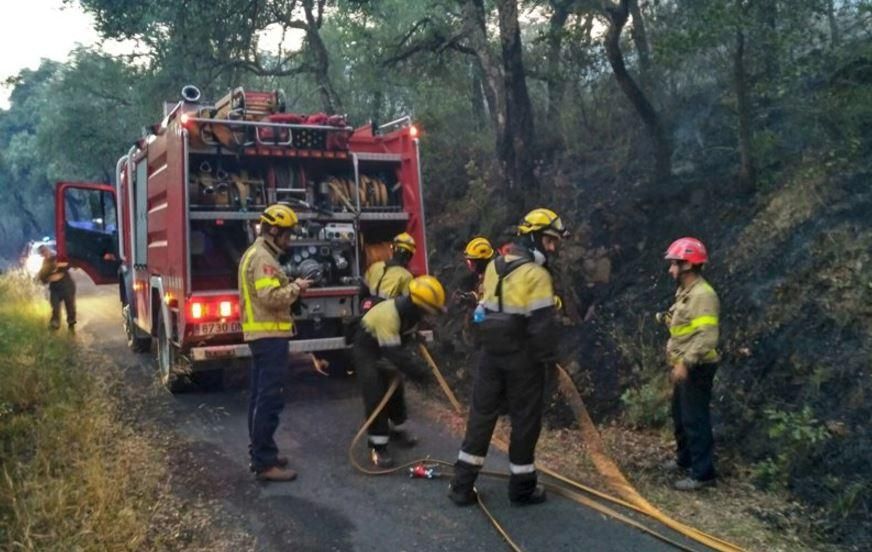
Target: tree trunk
x,y
479,108
746,161
662,145
835,35
643,50
330,101
519,130
556,83
489,67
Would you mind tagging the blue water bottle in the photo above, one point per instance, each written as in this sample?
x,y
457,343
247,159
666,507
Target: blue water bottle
x,y
479,314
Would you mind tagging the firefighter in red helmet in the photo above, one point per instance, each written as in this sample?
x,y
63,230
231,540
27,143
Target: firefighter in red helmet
x,y
692,353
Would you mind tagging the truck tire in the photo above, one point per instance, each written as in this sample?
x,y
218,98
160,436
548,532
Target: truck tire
x,y
137,340
170,365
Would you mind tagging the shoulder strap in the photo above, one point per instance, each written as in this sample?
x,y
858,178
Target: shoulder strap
x,y
503,269
383,274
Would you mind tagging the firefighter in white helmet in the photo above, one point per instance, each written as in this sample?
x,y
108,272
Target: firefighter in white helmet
x,y
380,337
265,298
519,339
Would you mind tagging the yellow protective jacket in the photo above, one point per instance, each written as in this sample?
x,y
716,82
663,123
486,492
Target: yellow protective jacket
x,y
527,295
265,293
693,324
387,280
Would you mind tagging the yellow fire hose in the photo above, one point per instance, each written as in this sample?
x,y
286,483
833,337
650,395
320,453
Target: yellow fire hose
x,y
632,500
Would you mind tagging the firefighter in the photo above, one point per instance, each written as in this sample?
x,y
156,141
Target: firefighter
x,y
519,338
478,253
692,353
379,352
61,288
387,279
265,298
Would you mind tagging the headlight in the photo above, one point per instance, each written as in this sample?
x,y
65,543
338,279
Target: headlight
x,y
33,264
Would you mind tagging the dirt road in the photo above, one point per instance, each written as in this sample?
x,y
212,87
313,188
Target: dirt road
x,y
330,506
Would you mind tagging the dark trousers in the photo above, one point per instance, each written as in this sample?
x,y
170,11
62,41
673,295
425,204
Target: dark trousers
x,y
691,400
518,382
269,368
374,376
64,292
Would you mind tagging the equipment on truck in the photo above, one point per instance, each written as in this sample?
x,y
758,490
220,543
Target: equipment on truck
x,y
186,203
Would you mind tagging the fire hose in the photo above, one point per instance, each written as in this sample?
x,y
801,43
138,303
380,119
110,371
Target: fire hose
x,y
629,497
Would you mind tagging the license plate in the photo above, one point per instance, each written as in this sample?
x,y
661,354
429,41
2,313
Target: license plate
x,y
213,328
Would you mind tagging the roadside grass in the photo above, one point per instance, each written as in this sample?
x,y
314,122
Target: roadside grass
x,y
72,475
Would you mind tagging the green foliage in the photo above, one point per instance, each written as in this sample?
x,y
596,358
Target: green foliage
x,y
795,435
647,405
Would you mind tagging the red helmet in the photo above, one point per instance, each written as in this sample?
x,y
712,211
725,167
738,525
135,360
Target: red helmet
x,y
687,249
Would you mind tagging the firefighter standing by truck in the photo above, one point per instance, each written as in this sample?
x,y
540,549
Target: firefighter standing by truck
x,y
379,351
61,288
519,338
391,278
692,353
265,298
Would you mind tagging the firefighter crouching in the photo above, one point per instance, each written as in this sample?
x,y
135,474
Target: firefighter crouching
x,y
61,288
519,340
265,298
692,353
391,278
379,351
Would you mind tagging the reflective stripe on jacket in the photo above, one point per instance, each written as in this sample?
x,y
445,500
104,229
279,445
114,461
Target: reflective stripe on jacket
x,y
394,280
693,327
265,293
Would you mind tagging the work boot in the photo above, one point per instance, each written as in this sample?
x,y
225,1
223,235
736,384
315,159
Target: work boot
x,y
380,456
403,438
54,325
538,496
691,484
461,497
276,473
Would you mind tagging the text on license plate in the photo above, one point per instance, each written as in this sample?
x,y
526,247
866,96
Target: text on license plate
x,y
212,328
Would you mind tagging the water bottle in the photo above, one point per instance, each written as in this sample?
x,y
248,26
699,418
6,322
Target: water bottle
x,y
479,314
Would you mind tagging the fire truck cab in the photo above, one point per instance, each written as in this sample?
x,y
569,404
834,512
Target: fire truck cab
x,y
185,206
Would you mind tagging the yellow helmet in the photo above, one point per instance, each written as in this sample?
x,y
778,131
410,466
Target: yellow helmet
x,y
479,248
427,293
279,215
545,221
404,241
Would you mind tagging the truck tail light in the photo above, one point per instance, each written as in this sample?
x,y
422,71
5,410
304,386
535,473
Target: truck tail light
x,y
210,309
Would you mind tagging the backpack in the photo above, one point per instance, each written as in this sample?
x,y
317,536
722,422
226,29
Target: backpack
x,y
503,333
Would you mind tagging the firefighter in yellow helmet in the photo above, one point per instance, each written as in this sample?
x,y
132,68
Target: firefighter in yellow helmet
x,y
265,298
478,253
387,279
518,334
381,336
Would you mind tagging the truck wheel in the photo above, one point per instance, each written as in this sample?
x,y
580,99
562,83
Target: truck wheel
x,y
135,340
171,366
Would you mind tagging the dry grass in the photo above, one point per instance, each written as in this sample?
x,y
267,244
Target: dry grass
x,y
71,476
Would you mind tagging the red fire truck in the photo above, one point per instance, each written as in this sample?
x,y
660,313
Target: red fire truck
x,y
185,206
